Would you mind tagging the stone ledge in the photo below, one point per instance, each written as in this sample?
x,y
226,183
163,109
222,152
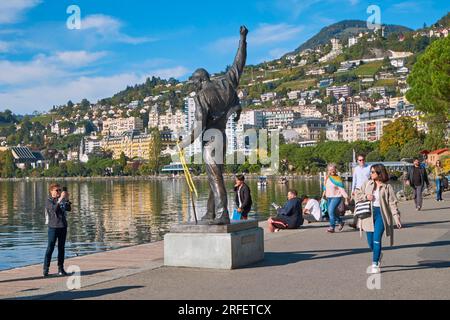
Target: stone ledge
x,y
233,227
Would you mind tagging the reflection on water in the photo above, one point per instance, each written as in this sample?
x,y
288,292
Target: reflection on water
x,y
111,214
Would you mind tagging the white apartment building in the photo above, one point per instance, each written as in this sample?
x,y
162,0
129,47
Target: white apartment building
x,y
116,127
350,129
393,102
189,110
309,111
334,132
352,41
368,126
315,72
337,91
294,95
268,96
174,120
279,118
380,90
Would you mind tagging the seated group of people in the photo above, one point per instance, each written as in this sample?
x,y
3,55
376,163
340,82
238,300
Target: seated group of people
x,y
292,216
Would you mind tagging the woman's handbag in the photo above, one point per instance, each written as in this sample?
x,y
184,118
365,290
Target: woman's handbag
x,y
340,209
444,183
363,209
236,215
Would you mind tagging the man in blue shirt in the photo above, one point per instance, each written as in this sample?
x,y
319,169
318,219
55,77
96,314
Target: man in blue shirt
x,y
288,217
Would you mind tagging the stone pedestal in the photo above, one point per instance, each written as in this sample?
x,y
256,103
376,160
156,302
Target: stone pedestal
x,y
215,247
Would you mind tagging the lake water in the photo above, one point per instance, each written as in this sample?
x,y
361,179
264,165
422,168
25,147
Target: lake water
x,y
111,214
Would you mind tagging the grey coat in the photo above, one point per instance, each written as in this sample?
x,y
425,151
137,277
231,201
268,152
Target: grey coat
x,y
389,208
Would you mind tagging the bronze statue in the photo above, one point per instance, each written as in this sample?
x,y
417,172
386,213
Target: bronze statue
x,y
216,100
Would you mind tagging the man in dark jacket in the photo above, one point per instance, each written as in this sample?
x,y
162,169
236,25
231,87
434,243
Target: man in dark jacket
x,y
417,178
55,210
288,217
243,197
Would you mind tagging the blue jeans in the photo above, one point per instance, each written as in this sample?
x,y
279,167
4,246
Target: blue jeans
x,y
374,238
332,205
54,234
438,189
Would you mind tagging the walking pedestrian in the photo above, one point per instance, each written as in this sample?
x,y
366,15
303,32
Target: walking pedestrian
x,y
243,197
417,178
361,174
384,212
334,193
439,176
55,209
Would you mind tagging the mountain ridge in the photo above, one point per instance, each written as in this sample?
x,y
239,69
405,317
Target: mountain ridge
x,y
343,29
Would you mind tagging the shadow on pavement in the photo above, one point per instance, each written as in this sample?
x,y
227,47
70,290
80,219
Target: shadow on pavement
x,y
83,273
426,264
74,295
272,259
415,224
436,209
284,258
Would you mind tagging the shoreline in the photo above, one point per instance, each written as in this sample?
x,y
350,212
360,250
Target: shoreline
x,y
147,178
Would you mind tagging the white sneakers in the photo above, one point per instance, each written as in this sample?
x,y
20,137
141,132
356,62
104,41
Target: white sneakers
x,y
375,269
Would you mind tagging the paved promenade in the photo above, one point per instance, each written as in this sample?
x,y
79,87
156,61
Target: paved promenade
x,y
299,264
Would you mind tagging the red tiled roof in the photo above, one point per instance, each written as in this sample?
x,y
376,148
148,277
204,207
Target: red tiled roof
x,y
439,151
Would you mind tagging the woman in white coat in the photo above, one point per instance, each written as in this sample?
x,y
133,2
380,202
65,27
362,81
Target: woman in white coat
x,y
385,214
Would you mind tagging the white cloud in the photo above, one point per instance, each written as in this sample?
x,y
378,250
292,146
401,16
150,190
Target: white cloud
x,y
264,35
278,53
268,34
11,11
295,7
44,67
109,28
409,6
4,46
78,58
19,73
59,90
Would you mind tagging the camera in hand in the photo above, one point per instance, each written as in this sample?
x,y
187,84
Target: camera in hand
x,y
68,203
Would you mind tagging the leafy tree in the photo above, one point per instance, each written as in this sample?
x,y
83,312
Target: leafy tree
x,y
435,139
392,154
374,156
430,82
412,149
123,160
8,166
155,151
397,134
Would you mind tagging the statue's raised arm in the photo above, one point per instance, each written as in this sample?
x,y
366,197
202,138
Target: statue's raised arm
x,y
236,70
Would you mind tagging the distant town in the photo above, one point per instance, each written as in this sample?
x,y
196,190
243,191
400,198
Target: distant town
x,y
347,91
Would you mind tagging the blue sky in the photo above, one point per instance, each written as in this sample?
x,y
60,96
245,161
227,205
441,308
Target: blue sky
x,y
120,43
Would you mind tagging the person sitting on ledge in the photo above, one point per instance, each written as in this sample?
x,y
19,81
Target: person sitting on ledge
x,y
311,212
289,216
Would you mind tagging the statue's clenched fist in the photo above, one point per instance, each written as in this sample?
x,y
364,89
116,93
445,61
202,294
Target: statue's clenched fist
x,y
244,31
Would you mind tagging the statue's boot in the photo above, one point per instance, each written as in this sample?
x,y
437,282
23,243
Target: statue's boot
x,y
222,219
207,219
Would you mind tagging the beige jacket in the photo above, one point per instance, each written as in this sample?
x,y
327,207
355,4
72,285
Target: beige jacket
x,y
389,208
